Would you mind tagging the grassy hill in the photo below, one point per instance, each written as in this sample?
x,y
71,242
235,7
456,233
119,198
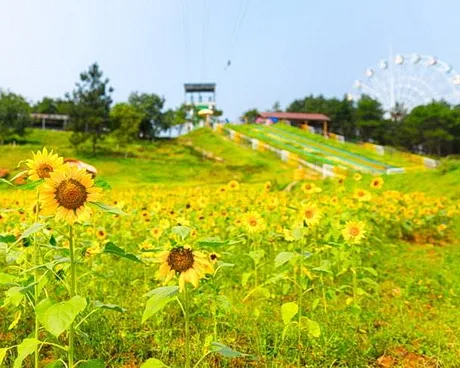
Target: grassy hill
x,y
161,162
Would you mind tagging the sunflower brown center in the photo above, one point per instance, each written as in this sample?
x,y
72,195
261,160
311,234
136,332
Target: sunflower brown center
x,y
253,222
308,214
71,194
354,231
180,259
44,171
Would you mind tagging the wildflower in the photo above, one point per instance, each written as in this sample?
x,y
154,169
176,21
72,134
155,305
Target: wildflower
x,y
268,186
101,234
164,224
362,195
310,188
233,185
156,232
357,176
67,193
377,183
43,164
310,214
442,227
191,266
214,257
253,222
354,232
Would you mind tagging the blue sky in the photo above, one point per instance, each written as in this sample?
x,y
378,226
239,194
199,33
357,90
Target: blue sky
x,y
280,50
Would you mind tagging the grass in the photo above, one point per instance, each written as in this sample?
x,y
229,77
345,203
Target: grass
x,y
161,162
409,304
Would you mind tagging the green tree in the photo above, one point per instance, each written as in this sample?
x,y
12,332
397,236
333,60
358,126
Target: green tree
x,y
46,106
369,118
433,127
126,121
14,115
250,116
90,107
150,106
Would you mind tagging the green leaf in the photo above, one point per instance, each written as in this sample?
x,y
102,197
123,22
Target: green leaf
x,y
256,255
6,182
371,271
57,318
102,184
315,304
111,248
31,185
32,230
7,239
225,351
325,267
26,348
108,209
6,279
369,281
113,307
159,298
215,241
313,328
153,363
18,175
93,363
182,231
283,257
2,355
14,295
288,311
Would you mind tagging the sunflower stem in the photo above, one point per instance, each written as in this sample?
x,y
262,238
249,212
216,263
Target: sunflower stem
x,y
299,301
36,287
73,292
355,279
187,328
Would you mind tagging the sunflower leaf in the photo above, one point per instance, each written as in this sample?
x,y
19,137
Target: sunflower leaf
x,y
30,185
93,363
6,182
113,307
102,184
153,363
25,348
32,230
225,351
109,209
159,298
111,248
18,175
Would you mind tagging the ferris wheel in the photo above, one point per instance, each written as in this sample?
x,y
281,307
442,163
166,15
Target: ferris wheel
x,y
409,81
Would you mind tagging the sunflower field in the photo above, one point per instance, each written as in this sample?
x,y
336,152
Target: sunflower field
x,y
333,273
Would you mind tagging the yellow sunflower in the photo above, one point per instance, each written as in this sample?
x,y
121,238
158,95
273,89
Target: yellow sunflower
x,y
233,185
66,193
377,183
354,232
310,188
43,164
310,214
253,222
190,265
362,195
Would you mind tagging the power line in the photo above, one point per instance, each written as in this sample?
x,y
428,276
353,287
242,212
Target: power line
x,y
186,30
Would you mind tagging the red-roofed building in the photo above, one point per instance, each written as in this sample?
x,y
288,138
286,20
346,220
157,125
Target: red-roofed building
x,y
300,119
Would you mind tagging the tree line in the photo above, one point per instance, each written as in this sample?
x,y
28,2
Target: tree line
x,y
93,115
432,129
